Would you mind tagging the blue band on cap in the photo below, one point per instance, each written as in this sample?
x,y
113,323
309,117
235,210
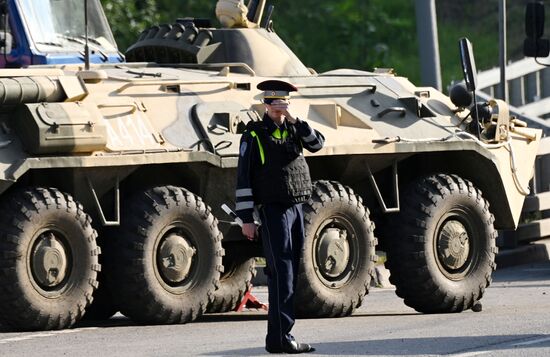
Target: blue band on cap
x,y
276,94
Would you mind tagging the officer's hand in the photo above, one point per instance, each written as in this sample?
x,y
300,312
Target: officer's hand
x,y
249,231
289,117
280,104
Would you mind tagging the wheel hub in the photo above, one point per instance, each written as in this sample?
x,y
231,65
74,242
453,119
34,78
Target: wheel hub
x,y
175,258
49,261
453,245
333,252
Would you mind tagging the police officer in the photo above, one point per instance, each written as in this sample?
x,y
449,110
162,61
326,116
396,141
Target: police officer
x,y
273,176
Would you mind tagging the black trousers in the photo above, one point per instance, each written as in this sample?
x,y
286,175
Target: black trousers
x,y
282,239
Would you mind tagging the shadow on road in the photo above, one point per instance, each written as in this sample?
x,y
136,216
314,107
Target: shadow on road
x,y
122,321
539,271
414,346
528,275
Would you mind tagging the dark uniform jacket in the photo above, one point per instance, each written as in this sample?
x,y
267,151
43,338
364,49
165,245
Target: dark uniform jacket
x,y
272,168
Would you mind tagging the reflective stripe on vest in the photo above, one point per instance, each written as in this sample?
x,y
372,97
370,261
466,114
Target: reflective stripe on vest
x,y
276,134
262,155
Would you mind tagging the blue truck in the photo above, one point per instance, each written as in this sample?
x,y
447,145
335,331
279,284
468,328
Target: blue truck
x,y
41,32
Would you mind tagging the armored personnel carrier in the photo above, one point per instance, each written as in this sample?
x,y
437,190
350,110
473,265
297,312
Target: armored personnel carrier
x,y
112,179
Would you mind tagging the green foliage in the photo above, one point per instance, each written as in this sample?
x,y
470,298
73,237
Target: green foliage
x,y
350,33
129,18
361,34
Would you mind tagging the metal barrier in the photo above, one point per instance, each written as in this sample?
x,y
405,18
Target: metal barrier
x,y
528,86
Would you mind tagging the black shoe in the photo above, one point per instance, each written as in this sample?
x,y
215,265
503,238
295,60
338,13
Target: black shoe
x,y
294,347
291,347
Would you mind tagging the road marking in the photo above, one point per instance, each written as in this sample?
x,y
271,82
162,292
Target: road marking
x,y
503,345
41,335
470,354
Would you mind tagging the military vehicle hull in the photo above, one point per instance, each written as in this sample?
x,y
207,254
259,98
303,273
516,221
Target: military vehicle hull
x,y
134,161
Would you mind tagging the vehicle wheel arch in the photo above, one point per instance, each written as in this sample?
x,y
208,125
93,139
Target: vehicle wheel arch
x,y
469,165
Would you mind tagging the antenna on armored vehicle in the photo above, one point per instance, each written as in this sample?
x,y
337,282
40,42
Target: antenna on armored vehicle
x,y
86,47
268,24
470,76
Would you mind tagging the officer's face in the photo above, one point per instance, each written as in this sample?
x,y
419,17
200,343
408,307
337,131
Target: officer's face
x,y
277,108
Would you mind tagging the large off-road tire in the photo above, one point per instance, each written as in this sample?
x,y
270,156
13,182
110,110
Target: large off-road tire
x,y
102,306
48,260
169,257
234,282
442,252
339,253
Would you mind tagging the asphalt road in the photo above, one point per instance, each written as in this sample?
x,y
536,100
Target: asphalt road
x,y
515,321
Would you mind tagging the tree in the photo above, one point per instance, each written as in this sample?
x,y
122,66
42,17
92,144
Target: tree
x,y
360,34
129,18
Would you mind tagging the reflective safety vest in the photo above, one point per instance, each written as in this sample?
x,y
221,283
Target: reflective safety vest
x,y
282,175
